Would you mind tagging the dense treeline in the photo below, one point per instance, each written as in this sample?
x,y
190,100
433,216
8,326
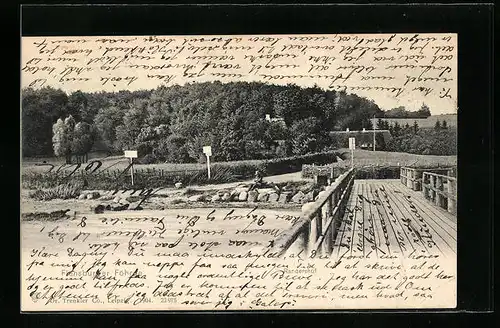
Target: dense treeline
x,y
401,112
173,123
440,140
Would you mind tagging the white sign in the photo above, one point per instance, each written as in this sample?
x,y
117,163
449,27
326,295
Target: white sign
x,y
131,153
207,150
352,143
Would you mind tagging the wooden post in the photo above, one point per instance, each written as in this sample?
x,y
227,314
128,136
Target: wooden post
x,y
438,185
452,203
303,238
316,229
132,170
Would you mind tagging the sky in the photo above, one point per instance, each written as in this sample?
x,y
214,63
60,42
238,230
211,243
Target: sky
x,y
110,63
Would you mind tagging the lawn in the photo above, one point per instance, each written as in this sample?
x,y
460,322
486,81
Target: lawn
x,y
364,158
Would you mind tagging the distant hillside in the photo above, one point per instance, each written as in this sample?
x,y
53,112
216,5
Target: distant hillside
x,y
451,120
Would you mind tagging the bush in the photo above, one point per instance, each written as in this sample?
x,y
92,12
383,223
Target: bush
x,y
157,178
63,191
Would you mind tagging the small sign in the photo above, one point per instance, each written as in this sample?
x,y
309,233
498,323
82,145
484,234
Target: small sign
x,y
131,153
352,143
207,150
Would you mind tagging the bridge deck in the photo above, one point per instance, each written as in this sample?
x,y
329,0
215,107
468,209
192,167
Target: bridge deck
x,y
386,218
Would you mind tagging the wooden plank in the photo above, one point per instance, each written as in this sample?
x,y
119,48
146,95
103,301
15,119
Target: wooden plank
x,y
443,236
446,219
391,219
429,234
344,234
386,228
380,211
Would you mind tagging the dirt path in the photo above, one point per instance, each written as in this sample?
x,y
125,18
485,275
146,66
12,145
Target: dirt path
x,y
292,177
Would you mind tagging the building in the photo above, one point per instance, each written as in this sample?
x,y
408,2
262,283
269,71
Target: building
x,y
364,138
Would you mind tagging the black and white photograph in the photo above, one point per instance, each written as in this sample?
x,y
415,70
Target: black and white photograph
x,y
239,172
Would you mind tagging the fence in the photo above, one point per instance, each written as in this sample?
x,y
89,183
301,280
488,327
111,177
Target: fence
x,y
412,177
440,190
316,230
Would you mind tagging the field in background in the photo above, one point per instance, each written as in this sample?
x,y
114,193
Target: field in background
x,y
424,123
363,158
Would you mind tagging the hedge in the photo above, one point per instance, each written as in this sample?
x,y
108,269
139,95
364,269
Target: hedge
x,y
153,178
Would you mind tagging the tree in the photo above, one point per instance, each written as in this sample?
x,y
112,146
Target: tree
x,y
444,125
380,124
106,121
424,111
83,138
396,129
380,142
40,110
62,140
397,112
415,127
437,126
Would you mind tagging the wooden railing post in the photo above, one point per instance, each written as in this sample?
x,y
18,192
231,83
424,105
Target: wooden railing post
x,y
303,238
452,190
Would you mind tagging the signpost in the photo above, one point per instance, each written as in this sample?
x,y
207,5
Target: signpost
x,y
207,150
131,154
352,146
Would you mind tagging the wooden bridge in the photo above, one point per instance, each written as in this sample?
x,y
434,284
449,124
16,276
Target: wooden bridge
x,y
413,215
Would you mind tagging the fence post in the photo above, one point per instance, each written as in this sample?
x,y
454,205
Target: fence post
x,y
303,238
438,186
452,203
316,229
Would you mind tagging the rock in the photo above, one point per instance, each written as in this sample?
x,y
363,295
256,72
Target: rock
x,y
119,207
262,197
134,206
215,198
240,189
196,198
266,191
82,196
252,196
132,199
124,201
243,196
117,199
99,209
178,185
273,197
284,197
307,206
298,197
226,196
93,195
309,197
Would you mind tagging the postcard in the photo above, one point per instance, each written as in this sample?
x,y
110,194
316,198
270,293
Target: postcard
x,y
239,172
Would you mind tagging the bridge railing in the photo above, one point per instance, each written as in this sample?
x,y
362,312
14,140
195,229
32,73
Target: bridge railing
x,y
316,229
411,177
441,190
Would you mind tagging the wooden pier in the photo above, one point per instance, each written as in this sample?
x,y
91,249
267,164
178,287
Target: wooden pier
x,y
411,215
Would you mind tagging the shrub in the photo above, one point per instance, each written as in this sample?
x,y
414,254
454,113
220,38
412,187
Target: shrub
x,y
63,191
158,178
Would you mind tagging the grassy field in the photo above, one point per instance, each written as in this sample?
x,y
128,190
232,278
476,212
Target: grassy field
x,y
364,158
425,123
120,163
